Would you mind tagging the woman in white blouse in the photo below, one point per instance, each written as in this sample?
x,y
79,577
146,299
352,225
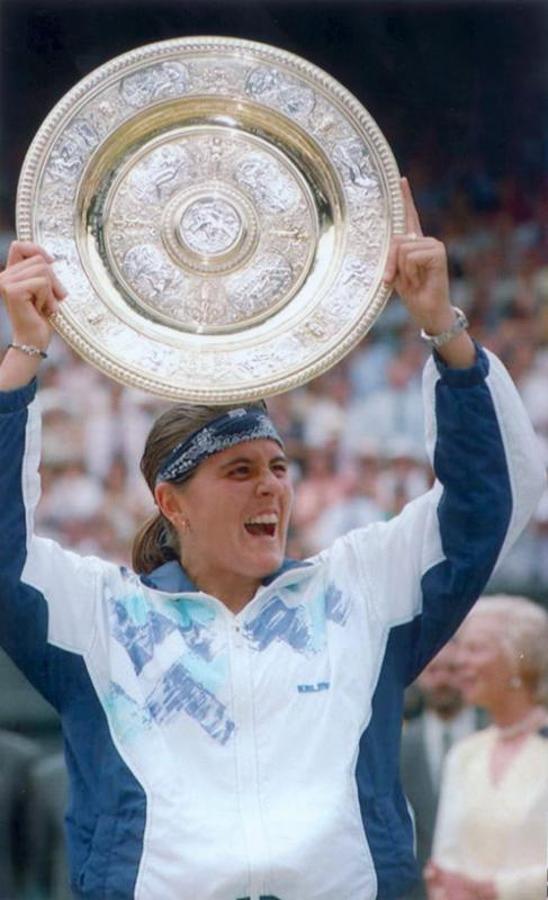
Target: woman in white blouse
x,y
491,831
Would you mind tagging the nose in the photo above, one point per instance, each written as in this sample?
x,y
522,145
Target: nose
x,y
268,483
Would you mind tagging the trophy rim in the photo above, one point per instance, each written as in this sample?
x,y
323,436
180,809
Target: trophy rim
x,y
259,53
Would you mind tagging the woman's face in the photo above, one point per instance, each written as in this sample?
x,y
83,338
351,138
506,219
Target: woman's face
x,y
237,506
484,665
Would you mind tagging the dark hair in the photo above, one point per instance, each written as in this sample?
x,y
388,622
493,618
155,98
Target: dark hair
x,y
157,541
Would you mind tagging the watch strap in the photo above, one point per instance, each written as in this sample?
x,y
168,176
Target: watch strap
x,y
438,340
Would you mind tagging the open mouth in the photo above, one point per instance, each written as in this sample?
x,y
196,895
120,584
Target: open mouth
x,y
262,526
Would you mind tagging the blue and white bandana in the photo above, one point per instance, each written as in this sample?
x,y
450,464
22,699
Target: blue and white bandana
x,y
226,431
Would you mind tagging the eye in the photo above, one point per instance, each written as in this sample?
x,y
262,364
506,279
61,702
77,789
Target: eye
x,y
280,468
241,471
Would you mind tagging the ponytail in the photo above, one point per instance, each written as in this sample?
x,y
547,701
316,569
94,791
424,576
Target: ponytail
x,y
155,543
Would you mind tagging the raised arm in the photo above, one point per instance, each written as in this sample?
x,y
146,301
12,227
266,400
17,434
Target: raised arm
x,y
427,566
47,594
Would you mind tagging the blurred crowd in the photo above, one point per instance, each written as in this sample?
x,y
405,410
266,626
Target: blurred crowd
x,y
355,436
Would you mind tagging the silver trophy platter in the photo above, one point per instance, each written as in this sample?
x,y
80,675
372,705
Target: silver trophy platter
x,y
220,212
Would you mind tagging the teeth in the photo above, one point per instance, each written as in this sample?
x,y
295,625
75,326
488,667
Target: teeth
x,y
264,519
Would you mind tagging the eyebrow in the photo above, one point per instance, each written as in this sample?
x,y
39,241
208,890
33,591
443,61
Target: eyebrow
x,y
248,459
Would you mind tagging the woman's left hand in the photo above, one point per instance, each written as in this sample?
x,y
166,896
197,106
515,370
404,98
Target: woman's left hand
x,y
417,268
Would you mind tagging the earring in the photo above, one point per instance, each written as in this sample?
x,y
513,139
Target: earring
x,y
515,683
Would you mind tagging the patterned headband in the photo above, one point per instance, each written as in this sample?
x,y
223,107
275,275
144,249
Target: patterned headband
x,y
226,431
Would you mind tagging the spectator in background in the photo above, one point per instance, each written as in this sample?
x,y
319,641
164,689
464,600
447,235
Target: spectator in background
x,y
17,755
491,829
324,409
321,487
532,386
48,858
357,505
75,495
394,411
404,476
425,742
366,368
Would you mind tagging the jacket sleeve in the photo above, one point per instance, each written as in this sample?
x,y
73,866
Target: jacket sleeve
x,y
427,566
47,594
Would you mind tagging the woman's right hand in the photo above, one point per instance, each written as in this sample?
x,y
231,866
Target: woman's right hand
x,y
31,292
441,884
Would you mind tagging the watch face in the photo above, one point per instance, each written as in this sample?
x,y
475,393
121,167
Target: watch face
x,y
220,212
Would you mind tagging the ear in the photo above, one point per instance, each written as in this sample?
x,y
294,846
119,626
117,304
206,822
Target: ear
x,y
171,503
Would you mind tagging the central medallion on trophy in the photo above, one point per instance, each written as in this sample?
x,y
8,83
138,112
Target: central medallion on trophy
x,y
210,231
209,226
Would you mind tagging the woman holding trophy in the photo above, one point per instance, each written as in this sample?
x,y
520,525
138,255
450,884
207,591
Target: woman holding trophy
x,y
232,718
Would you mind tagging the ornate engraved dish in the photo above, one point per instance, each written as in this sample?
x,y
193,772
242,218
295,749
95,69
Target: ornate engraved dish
x,y
220,212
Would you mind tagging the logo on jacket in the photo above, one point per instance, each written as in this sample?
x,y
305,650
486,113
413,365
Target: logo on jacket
x,y
313,688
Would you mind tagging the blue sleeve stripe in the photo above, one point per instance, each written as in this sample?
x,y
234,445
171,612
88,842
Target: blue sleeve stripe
x,y
13,520
384,810
474,512
106,816
23,611
473,515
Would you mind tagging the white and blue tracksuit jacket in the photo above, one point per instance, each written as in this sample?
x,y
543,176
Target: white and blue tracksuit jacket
x,y
215,756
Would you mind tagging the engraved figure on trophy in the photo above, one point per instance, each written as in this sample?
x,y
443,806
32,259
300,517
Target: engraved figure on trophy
x,y
160,174
356,274
354,162
168,79
70,154
270,186
261,285
272,86
208,305
150,273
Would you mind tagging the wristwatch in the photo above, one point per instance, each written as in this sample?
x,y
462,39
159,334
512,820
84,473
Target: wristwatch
x,y
438,340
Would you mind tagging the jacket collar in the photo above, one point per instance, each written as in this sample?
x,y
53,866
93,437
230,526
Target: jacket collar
x,y
171,578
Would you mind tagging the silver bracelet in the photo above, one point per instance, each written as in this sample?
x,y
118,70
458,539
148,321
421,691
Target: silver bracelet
x,y
29,350
438,340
